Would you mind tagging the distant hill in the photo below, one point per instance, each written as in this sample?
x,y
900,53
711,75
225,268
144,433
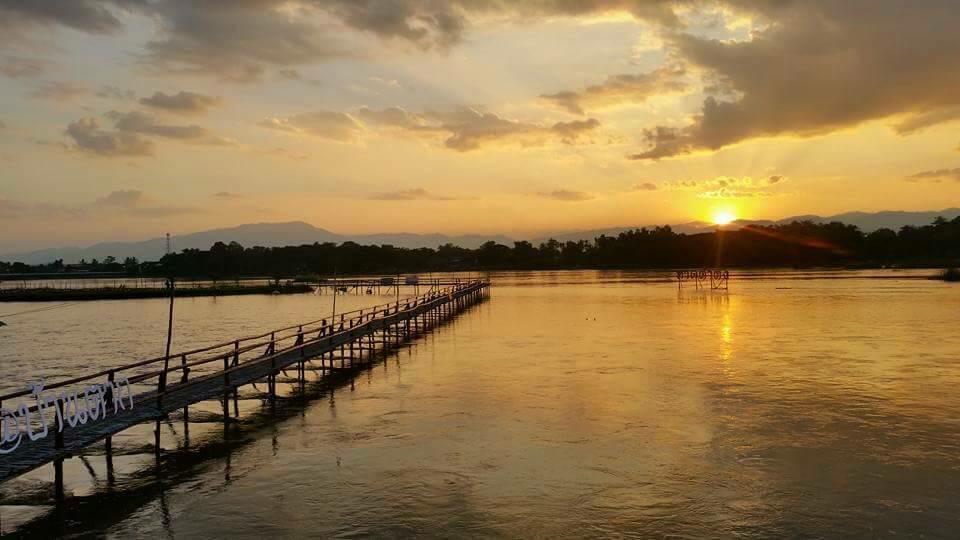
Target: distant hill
x,y
297,233
255,234
866,221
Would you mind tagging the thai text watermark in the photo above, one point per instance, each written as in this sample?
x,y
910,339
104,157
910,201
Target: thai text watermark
x,y
68,408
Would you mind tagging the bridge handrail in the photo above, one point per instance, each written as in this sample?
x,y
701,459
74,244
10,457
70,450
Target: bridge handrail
x,y
234,344
329,337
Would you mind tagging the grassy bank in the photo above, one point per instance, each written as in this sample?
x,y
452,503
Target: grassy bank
x,y
129,293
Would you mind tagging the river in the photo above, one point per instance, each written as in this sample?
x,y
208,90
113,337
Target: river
x,y
570,404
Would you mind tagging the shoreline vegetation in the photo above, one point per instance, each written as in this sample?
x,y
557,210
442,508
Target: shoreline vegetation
x,y
798,245
951,274
48,294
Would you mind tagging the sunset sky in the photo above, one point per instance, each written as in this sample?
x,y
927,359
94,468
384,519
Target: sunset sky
x,y
125,119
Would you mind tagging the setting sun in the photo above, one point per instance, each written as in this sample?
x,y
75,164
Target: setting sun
x,y
723,217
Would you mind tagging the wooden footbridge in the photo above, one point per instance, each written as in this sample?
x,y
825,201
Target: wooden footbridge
x,y
43,429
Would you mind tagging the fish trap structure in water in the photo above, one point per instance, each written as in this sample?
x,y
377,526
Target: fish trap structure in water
x,y
717,280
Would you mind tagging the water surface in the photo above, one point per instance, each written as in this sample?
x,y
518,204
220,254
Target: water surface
x,y
570,404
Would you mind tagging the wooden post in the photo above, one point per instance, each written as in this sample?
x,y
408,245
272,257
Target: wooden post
x,y
226,388
183,368
108,455
58,480
166,361
156,438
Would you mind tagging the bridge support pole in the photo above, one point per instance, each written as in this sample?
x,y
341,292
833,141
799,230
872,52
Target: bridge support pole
x,y
108,457
186,427
58,480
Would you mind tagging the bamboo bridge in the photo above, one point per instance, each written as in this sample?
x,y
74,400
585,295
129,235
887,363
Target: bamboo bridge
x,y
43,429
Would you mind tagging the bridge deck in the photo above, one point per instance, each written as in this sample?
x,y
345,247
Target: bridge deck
x,y
149,406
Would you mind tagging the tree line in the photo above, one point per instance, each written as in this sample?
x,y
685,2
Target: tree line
x,y
797,244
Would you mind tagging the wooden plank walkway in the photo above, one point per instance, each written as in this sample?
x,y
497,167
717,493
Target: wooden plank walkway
x,y
365,330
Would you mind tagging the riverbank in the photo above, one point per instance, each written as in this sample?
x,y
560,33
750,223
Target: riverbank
x,y
132,293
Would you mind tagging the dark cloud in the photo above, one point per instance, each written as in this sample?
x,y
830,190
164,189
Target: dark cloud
x,y
90,138
237,40
17,67
570,132
144,124
808,67
920,121
936,175
181,103
438,24
213,37
620,89
426,23
216,37
227,195
59,90
645,186
462,130
129,136
468,129
93,16
108,91
415,194
819,66
567,195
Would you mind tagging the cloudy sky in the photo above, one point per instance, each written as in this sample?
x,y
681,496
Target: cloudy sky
x,y
125,119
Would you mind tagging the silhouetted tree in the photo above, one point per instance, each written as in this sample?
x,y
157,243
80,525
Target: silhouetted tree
x,y
798,244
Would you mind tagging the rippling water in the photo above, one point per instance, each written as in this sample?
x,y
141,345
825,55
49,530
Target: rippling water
x,y
571,404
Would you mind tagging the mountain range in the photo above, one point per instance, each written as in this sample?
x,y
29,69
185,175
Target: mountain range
x,y
866,221
298,233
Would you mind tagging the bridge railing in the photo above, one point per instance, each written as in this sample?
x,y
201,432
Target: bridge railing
x,y
231,353
355,324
